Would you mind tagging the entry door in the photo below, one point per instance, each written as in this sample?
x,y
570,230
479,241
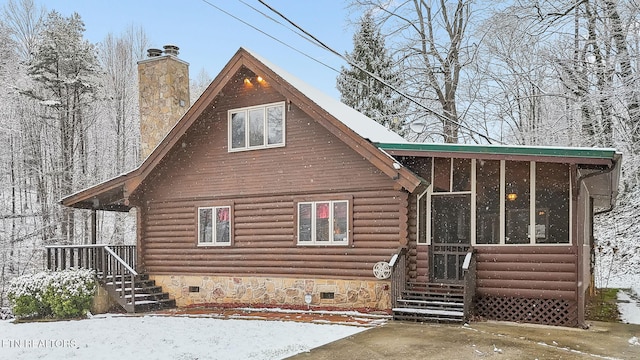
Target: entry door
x,y
450,235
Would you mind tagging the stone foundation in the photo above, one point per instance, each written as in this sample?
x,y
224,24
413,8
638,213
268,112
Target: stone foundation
x,y
101,302
276,292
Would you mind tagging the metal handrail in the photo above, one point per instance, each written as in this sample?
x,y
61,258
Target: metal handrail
x,y
469,271
398,275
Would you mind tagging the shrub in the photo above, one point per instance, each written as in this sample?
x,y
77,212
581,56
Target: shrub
x,y
59,294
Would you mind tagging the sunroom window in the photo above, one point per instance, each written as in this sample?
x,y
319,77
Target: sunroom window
x,y
552,203
517,202
256,127
512,202
526,202
323,223
214,226
488,201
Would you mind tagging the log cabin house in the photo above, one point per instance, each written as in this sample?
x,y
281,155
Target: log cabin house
x,y
267,192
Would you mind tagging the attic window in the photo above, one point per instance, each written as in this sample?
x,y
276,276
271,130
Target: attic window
x,y
256,127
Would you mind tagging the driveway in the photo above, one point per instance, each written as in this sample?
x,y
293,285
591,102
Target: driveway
x,y
499,340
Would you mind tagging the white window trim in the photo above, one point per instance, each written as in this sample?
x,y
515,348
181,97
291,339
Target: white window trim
x,y
419,225
246,111
313,241
215,241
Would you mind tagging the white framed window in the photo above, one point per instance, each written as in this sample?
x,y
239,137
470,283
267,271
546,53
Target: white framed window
x,y
323,222
214,226
257,127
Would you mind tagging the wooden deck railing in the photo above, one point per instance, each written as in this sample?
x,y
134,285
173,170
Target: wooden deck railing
x,y
114,266
469,272
398,265
60,257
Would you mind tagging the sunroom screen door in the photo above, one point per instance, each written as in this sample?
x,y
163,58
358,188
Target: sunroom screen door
x,y
450,235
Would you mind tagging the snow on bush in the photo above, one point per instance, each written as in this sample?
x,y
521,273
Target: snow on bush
x,y
59,294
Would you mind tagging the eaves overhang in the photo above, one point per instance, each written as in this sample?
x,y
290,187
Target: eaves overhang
x,y
581,155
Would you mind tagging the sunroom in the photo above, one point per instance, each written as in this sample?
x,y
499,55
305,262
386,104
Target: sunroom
x,y
526,214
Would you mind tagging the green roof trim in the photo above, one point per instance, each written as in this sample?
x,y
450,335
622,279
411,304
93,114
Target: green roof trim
x,y
571,152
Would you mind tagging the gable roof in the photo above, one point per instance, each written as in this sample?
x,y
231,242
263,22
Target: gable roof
x,y
349,125
355,120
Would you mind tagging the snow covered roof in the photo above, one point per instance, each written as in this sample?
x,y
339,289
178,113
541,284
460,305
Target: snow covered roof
x,y
356,121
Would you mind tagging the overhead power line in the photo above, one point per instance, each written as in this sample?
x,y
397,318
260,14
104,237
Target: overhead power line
x,y
268,35
314,40
374,76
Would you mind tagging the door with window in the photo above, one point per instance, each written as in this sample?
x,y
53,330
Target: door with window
x,y
450,236
450,218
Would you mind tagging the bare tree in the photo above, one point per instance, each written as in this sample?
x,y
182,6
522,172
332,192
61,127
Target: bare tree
x,y
118,56
198,85
516,88
599,71
24,19
430,40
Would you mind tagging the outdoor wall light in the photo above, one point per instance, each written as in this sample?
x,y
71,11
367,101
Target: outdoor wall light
x,y
259,79
512,196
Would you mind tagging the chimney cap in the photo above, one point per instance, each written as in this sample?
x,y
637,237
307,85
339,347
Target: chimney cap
x,y
170,49
154,52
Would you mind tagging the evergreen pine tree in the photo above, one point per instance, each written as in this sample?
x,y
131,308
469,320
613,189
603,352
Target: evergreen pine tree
x,y
360,90
63,71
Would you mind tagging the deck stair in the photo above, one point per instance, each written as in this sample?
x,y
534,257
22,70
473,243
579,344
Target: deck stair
x,y
115,271
431,302
148,296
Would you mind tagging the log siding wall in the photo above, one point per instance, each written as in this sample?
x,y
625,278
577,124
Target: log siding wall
x,y
536,272
262,187
312,161
264,239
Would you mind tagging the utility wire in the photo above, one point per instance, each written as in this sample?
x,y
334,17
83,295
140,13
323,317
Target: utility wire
x,y
268,35
314,40
281,24
377,78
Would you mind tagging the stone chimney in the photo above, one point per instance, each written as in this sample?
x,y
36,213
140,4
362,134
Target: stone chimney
x,y
163,82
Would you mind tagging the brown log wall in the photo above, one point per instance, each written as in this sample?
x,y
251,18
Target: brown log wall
x,y
533,272
268,248
313,160
418,255
262,186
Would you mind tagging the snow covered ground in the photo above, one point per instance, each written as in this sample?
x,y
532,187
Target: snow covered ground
x,y
193,336
628,297
164,337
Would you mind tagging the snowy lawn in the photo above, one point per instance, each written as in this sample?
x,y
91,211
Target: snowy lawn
x,y
162,337
628,298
